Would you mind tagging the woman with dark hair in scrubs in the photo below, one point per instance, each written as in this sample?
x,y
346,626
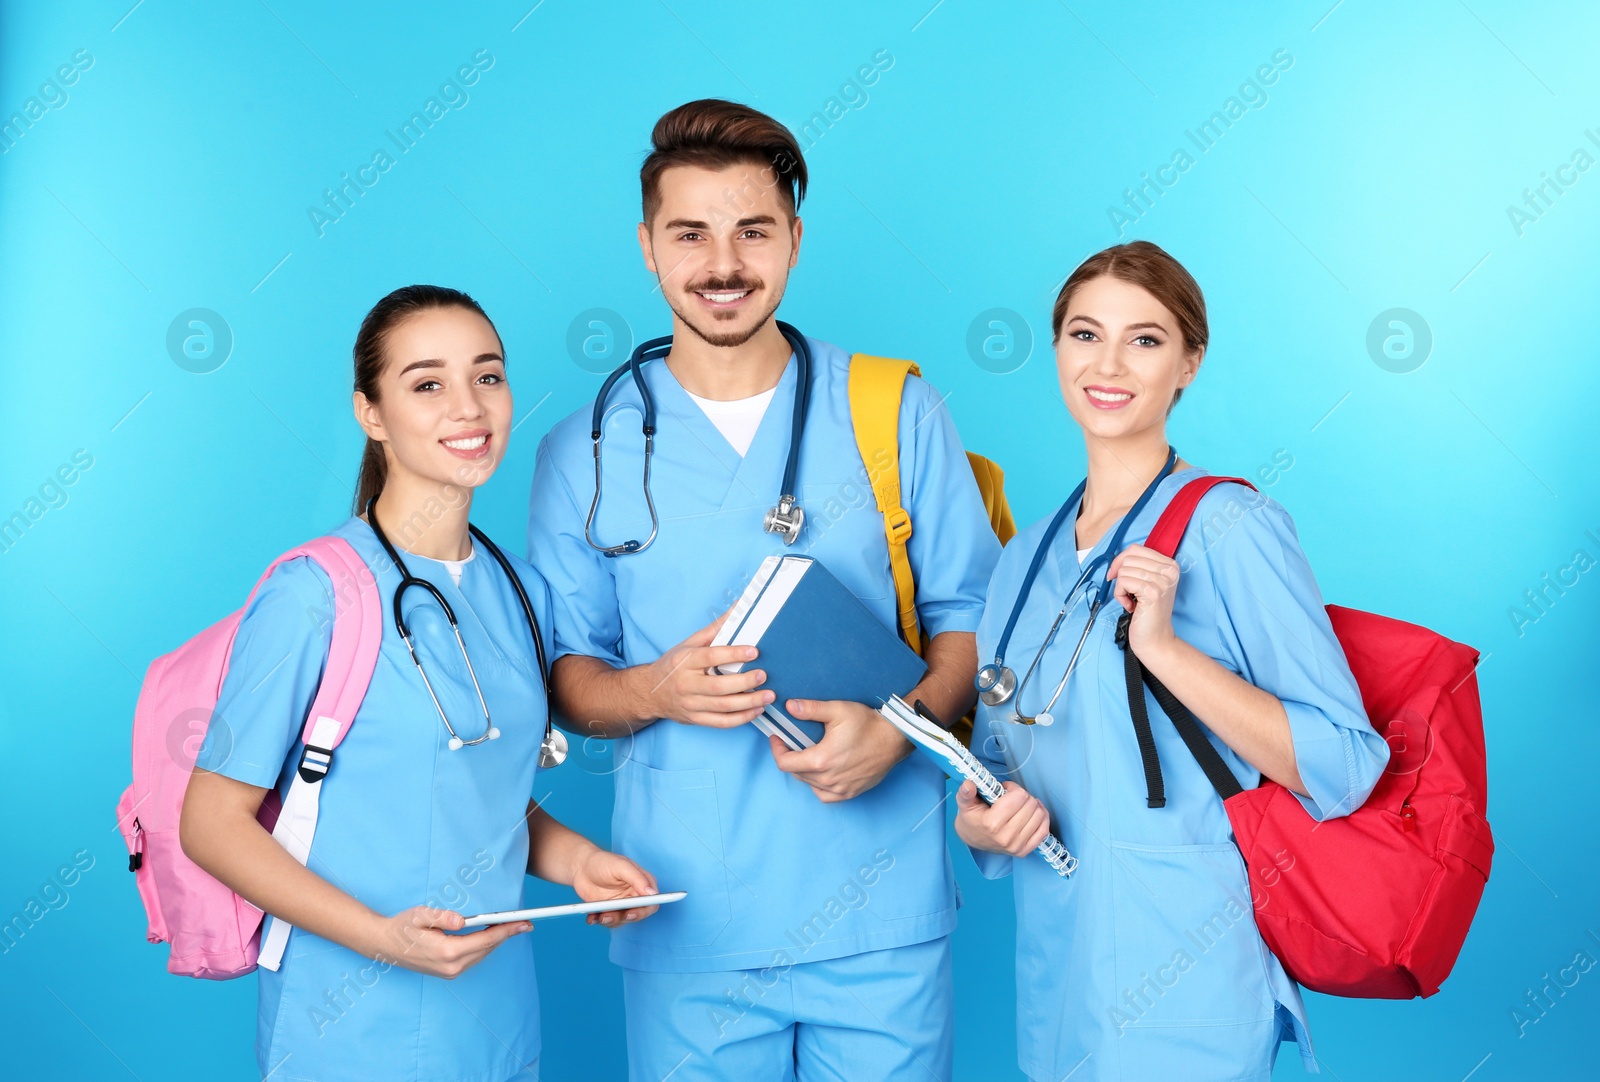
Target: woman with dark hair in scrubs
x,y
372,984
1147,963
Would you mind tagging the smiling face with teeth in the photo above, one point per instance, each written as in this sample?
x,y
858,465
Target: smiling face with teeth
x,y
444,408
1121,359
721,242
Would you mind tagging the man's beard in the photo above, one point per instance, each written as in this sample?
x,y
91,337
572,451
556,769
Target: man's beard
x,y
711,336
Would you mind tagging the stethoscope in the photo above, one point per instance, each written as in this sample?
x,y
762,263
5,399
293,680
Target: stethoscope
x,y
784,519
553,748
997,681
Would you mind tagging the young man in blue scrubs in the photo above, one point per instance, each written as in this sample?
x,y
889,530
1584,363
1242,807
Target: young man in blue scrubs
x,y
814,939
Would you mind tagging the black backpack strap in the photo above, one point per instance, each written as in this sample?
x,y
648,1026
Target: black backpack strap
x,y
1204,752
1194,738
1164,538
1155,790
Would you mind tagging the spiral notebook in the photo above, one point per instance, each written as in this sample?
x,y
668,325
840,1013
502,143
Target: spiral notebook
x,y
936,742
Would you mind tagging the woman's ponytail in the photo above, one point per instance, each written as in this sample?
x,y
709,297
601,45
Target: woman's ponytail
x,y
374,470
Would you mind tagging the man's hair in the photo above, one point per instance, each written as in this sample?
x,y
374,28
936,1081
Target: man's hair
x,y
714,134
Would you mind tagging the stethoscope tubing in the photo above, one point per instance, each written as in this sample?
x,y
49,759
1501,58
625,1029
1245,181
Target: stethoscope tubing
x,y
1072,663
993,675
408,581
1033,571
657,348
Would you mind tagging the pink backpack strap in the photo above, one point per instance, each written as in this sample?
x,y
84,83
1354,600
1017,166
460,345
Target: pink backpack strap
x,y
352,657
357,634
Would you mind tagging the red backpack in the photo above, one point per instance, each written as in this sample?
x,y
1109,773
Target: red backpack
x,y
1375,904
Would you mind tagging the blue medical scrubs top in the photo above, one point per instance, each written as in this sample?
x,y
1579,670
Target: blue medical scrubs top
x,y
1147,963
403,820
771,871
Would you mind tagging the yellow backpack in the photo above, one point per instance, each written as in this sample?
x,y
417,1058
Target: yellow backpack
x,y
876,384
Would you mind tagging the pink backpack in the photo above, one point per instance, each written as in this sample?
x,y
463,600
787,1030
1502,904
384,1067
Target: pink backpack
x,y
214,933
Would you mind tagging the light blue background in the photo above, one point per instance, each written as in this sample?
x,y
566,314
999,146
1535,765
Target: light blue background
x,y
976,175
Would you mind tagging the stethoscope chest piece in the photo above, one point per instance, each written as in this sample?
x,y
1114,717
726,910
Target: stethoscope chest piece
x,y
996,684
553,749
786,519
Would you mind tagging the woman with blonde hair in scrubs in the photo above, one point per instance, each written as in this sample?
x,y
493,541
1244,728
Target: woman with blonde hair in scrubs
x,y
416,827
1147,963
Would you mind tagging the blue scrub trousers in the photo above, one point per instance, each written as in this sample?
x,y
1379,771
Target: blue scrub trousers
x,y
884,1015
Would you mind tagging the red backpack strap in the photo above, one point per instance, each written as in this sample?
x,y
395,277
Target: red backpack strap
x,y
1169,528
1164,538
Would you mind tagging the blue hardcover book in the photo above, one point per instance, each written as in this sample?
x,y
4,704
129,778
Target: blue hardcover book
x,y
817,641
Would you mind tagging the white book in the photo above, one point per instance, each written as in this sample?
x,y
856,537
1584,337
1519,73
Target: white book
x,y
749,619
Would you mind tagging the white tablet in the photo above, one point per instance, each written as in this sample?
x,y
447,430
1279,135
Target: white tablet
x,y
575,909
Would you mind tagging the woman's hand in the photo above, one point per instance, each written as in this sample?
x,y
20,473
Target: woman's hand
x,y
1015,824
604,875
1146,582
416,939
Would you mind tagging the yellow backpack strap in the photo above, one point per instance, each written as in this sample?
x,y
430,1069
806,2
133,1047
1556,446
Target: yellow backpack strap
x,y
992,486
876,384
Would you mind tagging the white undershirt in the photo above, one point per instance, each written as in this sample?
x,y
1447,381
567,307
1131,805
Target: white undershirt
x,y
1083,554
455,566
737,419
452,566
